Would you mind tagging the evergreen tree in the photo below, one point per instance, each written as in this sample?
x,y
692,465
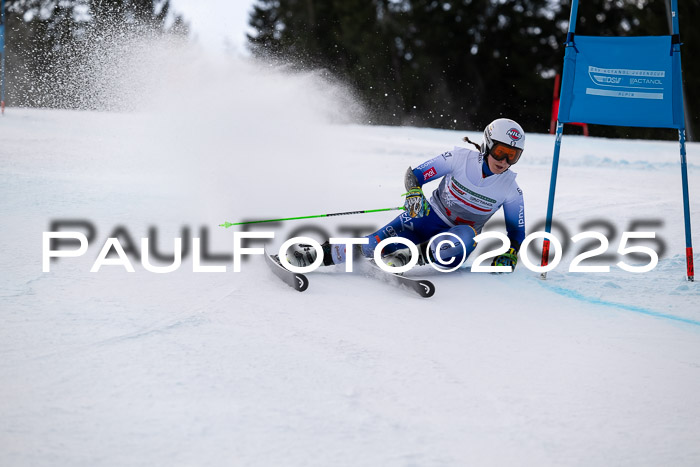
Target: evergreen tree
x,y
345,37
456,63
48,40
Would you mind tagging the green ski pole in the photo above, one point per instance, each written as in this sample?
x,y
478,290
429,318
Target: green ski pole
x,y
229,224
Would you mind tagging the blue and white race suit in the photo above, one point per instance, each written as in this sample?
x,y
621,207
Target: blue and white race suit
x,y
468,195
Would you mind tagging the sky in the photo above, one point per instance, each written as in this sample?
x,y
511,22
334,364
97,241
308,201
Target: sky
x,y
214,23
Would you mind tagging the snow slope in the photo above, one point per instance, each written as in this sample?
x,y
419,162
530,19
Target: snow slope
x,y
116,368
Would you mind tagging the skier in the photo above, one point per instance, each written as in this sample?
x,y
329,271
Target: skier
x,y
474,186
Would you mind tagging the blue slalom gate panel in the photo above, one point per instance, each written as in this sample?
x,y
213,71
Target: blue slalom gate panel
x,y
623,81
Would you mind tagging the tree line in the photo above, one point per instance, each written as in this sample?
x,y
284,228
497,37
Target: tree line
x,y
50,44
438,63
459,63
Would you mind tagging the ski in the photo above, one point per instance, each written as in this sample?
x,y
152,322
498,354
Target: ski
x,y
422,287
296,281
299,282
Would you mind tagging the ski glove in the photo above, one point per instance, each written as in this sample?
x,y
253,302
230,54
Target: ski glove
x,y
416,204
509,258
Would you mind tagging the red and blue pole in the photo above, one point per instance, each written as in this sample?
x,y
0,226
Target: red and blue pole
x,y
681,139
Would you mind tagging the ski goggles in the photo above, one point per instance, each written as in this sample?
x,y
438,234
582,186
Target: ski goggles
x,y
500,151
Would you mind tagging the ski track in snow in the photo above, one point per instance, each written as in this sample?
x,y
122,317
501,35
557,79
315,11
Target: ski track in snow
x,y
231,368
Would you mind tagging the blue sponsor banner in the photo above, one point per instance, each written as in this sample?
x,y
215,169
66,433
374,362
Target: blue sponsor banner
x,y
625,81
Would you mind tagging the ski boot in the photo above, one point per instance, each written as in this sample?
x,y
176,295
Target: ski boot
x,y
402,256
302,255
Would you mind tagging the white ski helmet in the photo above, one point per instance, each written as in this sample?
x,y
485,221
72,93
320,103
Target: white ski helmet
x,y
503,139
